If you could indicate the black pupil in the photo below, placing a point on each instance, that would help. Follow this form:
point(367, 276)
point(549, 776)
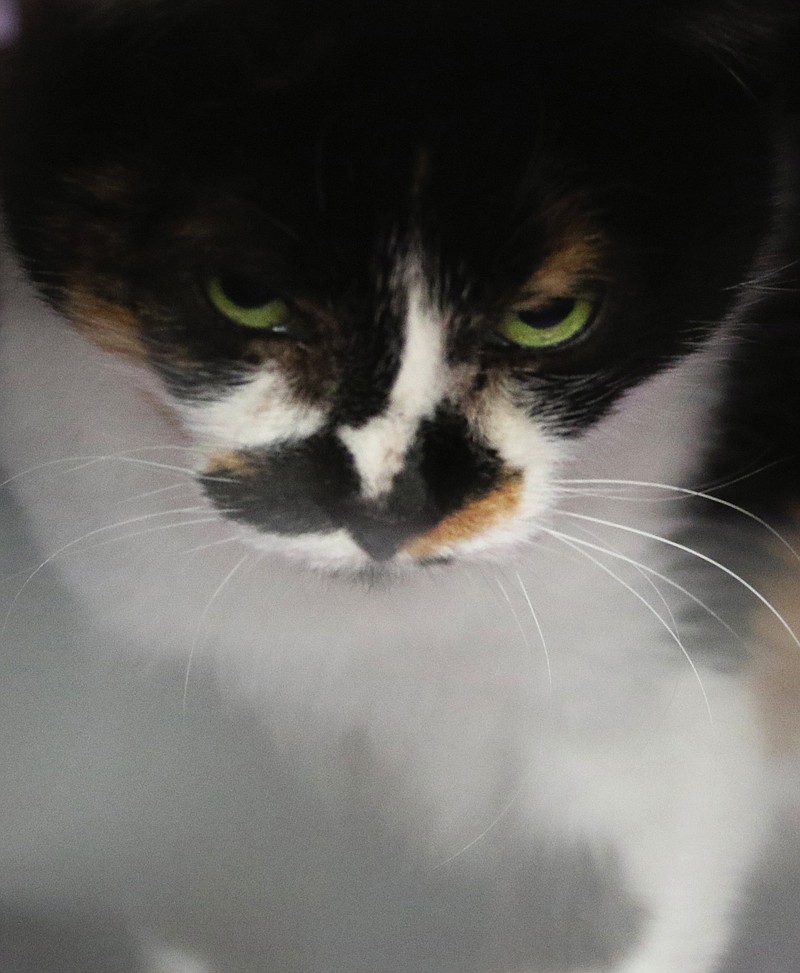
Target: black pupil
point(549, 316)
point(245, 292)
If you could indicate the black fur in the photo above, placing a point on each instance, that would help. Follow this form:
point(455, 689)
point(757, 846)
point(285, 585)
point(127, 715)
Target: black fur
point(317, 145)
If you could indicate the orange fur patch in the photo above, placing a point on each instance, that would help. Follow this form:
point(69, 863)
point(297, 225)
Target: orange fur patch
point(109, 326)
point(230, 462)
point(576, 253)
point(574, 260)
point(476, 518)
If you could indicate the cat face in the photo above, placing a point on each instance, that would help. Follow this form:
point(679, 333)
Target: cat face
point(386, 268)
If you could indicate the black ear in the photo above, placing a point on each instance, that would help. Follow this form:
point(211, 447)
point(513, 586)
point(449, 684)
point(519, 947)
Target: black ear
point(753, 40)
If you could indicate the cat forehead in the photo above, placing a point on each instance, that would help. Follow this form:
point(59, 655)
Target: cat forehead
point(362, 279)
point(310, 154)
point(493, 156)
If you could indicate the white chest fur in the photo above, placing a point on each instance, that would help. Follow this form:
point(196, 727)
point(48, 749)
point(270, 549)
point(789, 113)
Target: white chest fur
point(564, 689)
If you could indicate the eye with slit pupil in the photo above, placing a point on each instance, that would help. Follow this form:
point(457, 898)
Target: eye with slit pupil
point(246, 293)
point(547, 317)
point(249, 304)
point(550, 326)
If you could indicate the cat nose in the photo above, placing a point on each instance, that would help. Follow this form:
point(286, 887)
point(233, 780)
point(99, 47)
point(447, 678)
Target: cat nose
point(443, 471)
point(382, 528)
point(382, 541)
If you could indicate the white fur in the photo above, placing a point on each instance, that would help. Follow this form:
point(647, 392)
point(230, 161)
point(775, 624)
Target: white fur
point(379, 447)
point(600, 731)
point(260, 413)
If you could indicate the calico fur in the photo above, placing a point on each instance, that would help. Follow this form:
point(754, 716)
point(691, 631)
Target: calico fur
point(567, 635)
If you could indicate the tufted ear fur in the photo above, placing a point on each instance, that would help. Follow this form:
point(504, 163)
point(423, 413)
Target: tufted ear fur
point(756, 43)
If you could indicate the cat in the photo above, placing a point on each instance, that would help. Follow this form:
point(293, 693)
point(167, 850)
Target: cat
point(466, 336)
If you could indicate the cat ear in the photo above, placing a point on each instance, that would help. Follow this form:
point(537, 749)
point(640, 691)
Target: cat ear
point(737, 28)
point(755, 44)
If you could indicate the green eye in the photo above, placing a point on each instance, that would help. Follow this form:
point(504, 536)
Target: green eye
point(251, 306)
point(549, 326)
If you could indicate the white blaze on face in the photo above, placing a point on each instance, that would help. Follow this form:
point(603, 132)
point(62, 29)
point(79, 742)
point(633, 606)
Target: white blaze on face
point(379, 447)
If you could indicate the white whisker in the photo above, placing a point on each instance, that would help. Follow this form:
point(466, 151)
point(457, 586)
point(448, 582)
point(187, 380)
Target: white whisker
point(516, 617)
point(152, 493)
point(639, 568)
point(693, 553)
point(204, 547)
point(535, 618)
point(574, 543)
point(662, 577)
point(492, 824)
point(201, 621)
point(83, 462)
point(763, 276)
point(151, 530)
point(92, 458)
point(78, 540)
point(152, 464)
point(123, 456)
point(686, 492)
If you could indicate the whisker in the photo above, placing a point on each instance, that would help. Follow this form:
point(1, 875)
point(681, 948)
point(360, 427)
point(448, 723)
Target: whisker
point(92, 457)
point(492, 824)
point(763, 276)
point(83, 460)
point(204, 547)
point(152, 464)
point(732, 480)
point(693, 553)
point(661, 577)
point(153, 493)
point(699, 494)
point(535, 618)
point(718, 56)
point(213, 519)
point(152, 530)
point(607, 493)
point(124, 456)
point(720, 484)
point(78, 540)
point(516, 617)
point(574, 544)
point(201, 621)
point(639, 568)
point(166, 466)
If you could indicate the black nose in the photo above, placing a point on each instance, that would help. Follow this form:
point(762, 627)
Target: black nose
point(383, 527)
point(381, 535)
point(380, 541)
